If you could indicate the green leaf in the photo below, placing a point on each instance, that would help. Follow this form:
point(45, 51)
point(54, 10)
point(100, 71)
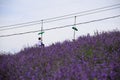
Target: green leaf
point(75, 28)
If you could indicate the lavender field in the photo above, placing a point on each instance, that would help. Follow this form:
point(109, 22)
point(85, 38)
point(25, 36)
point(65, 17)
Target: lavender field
point(87, 58)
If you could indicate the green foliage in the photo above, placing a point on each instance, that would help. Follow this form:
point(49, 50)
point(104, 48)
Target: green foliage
point(95, 79)
point(89, 53)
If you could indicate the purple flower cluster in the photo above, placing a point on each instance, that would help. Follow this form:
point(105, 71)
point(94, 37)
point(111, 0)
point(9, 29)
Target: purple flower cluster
point(87, 58)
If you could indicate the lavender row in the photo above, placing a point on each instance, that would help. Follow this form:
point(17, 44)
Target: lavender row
point(87, 58)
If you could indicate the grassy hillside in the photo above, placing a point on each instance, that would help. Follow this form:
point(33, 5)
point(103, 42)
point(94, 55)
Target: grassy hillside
point(87, 58)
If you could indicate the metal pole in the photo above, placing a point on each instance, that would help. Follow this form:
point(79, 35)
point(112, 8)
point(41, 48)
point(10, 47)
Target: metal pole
point(74, 26)
point(41, 30)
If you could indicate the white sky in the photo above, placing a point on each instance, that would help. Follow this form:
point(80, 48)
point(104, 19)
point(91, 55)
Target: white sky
point(20, 11)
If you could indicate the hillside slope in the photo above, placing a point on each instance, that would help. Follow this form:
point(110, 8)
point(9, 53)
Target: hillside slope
point(87, 58)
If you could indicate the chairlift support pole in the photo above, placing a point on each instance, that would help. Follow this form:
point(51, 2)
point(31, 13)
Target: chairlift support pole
point(74, 26)
point(42, 30)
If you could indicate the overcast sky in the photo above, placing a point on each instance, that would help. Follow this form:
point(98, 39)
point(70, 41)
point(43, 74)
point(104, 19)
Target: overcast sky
point(20, 11)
